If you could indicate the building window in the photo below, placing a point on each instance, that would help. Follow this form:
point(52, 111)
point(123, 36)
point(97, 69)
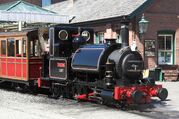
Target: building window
point(99, 37)
point(46, 3)
point(165, 49)
point(149, 47)
point(118, 36)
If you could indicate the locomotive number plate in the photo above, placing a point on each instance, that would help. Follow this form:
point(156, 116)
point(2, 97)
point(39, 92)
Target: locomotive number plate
point(58, 68)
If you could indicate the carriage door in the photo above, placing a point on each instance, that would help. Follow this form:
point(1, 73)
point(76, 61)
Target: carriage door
point(35, 59)
point(3, 63)
point(21, 59)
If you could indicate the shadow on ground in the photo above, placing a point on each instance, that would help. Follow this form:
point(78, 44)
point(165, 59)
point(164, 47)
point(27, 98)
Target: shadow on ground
point(156, 110)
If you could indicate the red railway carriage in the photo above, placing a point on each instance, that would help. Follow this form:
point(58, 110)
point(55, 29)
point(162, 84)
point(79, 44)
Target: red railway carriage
point(20, 57)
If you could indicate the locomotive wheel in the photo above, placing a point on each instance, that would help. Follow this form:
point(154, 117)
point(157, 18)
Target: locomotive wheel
point(73, 92)
point(162, 94)
point(19, 87)
point(55, 90)
point(16, 87)
point(122, 105)
point(33, 89)
point(68, 92)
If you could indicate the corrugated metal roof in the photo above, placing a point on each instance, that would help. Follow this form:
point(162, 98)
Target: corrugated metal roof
point(19, 6)
point(7, 5)
point(23, 11)
point(91, 10)
point(33, 17)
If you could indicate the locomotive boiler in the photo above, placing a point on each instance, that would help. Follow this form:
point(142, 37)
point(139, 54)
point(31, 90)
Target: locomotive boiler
point(106, 73)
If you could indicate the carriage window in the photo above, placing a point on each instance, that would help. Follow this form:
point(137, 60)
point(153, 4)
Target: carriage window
point(37, 48)
point(18, 48)
point(24, 47)
point(31, 48)
point(3, 47)
point(34, 48)
point(11, 46)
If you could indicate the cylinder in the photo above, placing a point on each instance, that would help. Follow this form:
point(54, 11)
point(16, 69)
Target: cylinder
point(107, 95)
point(137, 96)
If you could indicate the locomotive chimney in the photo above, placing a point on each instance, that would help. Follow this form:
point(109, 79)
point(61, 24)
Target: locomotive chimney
point(125, 33)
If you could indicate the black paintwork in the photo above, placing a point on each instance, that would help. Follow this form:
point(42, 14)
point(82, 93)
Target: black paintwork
point(64, 48)
point(45, 65)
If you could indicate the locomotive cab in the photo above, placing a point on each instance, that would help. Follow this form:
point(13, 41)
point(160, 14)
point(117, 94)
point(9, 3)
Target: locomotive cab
point(63, 39)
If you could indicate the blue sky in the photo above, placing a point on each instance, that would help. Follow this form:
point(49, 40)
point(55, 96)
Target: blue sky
point(46, 2)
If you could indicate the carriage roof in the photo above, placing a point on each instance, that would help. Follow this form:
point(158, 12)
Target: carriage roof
point(19, 33)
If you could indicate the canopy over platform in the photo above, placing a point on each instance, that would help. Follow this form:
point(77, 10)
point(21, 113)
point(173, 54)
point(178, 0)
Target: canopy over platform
point(23, 11)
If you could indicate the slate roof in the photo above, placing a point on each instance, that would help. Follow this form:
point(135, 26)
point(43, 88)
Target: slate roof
point(22, 6)
point(91, 10)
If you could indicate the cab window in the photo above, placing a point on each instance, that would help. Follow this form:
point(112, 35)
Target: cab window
point(35, 48)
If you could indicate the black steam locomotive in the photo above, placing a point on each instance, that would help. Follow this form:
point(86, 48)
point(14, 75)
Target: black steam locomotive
point(109, 72)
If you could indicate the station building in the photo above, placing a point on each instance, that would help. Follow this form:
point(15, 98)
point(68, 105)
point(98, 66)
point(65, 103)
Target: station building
point(159, 45)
